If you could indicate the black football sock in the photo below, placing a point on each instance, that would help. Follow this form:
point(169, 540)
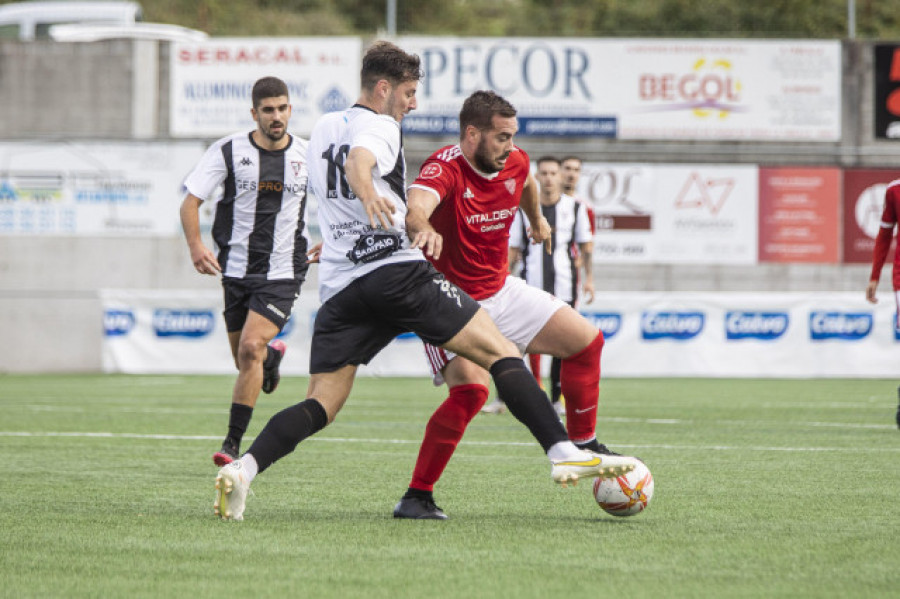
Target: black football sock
point(238, 422)
point(286, 429)
point(525, 400)
point(555, 384)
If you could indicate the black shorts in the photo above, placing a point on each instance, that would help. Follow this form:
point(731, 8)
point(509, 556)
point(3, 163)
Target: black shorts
point(273, 300)
point(358, 322)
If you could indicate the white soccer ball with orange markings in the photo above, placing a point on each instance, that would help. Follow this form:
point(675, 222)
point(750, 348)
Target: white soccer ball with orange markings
point(625, 495)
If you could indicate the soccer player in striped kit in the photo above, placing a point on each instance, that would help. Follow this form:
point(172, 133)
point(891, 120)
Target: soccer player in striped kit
point(261, 243)
point(571, 245)
point(469, 193)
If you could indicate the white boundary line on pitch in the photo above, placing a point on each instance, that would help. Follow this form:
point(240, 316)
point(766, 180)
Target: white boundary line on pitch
point(156, 437)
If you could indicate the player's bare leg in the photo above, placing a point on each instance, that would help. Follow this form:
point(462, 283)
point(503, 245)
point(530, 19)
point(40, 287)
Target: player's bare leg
point(249, 346)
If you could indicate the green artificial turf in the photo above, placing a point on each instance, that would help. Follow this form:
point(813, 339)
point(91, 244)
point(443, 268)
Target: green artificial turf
point(763, 488)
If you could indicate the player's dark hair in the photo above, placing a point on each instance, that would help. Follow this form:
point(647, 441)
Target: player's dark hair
point(268, 87)
point(567, 158)
point(384, 60)
point(479, 109)
point(552, 159)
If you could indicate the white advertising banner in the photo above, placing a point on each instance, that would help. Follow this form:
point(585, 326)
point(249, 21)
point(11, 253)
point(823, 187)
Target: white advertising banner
point(93, 188)
point(211, 81)
point(637, 88)
point(183, 332)
point(673, 214)
point(746, 335)
point(647, 334)
point(725, 89)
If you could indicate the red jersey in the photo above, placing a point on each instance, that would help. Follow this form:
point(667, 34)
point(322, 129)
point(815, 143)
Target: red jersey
point(886, 232)
point(474, 216)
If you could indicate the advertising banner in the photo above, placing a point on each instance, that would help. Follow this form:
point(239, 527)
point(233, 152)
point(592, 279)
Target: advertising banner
point(887, 91)
point(863, 205)
point(647, 334)
point(637, 88)
point(182, 332)
point(93, 188)
point(211, 81)
point(725, 89)
point(746, 334)
point(799, 215)
point(672, 214)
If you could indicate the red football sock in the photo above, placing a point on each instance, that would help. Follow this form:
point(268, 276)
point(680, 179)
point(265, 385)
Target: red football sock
point(443, 432)
point(534, 361)
point(580, 378)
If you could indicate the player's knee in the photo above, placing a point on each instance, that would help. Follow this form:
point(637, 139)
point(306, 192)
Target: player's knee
point(250, 351)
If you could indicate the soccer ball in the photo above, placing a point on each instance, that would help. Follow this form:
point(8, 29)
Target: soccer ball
point(625, 495)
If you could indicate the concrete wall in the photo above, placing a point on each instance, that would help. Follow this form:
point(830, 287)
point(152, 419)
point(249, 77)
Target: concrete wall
point(50, 316)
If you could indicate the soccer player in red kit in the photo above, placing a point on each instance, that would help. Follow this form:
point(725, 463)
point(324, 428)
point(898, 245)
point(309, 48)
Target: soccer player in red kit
point(469, 194)
point(882, 245)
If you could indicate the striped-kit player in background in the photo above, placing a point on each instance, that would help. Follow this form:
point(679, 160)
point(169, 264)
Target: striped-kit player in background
point(375, 284)
point(469, 194)
point(261, 243)
point(556, 272)
point(879, 256)
point(580, 256)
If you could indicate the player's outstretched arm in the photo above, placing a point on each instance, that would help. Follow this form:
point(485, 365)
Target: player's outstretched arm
point(420, 204)
point(358, 168)
point(203, 258)
point(585, 251)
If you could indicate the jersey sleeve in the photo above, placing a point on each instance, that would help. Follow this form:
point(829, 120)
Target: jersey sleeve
point(885, 231)
point(209, 173)
point(517, 238)
point(436, 176)
point(582, 224)
point(382, 140)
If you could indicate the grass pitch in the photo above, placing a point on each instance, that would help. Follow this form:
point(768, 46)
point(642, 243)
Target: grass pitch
point(787, 488)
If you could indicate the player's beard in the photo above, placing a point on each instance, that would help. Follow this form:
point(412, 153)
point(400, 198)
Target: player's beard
point(267, 131)
point(483, 163)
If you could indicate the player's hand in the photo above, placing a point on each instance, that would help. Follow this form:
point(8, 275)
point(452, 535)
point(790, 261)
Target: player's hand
point(314, 253)
point(587, 290)
point(204, 260)
point(430, 242)
point(541, 232)
point(870, 292)
point(380, 210)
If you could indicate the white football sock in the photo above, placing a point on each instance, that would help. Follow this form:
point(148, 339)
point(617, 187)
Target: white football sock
point(251, 468)
point(565, 451)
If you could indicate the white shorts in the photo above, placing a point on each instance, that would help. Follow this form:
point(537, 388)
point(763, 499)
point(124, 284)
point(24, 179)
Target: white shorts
point(519, 310)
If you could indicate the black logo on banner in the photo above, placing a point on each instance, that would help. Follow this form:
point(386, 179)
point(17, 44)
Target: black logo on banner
point(374, 246)
point(887, 91)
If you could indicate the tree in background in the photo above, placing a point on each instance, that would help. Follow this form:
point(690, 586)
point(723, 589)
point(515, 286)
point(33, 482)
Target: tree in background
point(795, 19)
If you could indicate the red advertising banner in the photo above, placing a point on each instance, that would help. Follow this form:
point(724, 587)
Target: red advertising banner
point(799, 214)
point(863, 205)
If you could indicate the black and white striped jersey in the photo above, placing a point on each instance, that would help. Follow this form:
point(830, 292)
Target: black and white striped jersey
point(259, 228)
point(555, 273)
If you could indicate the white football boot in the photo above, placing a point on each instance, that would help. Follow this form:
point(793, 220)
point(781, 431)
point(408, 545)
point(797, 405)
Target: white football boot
point(593, 465)
point(232, 486)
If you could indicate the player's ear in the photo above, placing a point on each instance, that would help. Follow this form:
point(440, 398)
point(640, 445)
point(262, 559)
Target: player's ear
point(383, 88)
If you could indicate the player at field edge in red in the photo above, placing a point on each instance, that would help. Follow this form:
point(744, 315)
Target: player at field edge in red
point(879, 255)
